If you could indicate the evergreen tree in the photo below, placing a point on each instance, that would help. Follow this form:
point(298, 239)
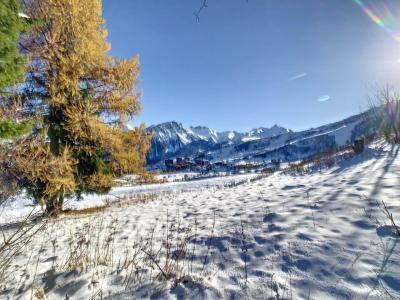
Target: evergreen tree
point(9, 130)
point(12, 64)
point(12, 67)
point(82, 99)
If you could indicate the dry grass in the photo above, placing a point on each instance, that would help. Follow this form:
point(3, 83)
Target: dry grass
point(15, 240)
point(389, 217)
point(89, 250)
point(38, 293)
point(120, 202)
point(85, 211)
point(381, 216)
point(162, 253)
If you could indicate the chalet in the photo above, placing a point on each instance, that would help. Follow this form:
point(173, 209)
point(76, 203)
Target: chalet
point(276, 164)
point(201, 162)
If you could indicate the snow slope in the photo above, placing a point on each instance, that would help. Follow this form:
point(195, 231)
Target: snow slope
point(313, 236)
point(292, 146)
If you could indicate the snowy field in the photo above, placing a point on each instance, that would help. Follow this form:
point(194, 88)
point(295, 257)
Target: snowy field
point(18, 208)
point(316, 236)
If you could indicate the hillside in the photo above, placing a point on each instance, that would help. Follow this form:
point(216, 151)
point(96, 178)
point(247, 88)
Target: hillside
point(315, 236)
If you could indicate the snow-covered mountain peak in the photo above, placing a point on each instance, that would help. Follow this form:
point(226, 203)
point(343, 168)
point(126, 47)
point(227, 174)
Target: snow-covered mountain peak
point(172, 134)
point(204, 133)
point(172, 125)
point(263, 132)
point(172, 137)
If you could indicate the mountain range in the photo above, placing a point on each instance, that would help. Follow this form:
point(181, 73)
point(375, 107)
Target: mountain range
point(172, 139)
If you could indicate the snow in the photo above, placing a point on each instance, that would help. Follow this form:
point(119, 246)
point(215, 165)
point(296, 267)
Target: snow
point(17, 208)
point(250, 138)
point(267, 132)
point(342, 134)
point(281, 237)
point(204, 133)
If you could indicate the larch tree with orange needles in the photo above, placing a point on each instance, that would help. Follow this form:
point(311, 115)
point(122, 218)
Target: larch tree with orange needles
point(82, 99)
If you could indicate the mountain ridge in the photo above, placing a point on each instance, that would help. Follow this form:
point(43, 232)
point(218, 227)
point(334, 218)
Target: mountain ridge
point(172, 139)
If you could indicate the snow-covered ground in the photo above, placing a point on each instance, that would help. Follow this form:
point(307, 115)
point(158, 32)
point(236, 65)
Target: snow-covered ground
point(315, 236)
point(18, 208)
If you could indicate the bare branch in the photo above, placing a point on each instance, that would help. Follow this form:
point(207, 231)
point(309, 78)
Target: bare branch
point(202, 7)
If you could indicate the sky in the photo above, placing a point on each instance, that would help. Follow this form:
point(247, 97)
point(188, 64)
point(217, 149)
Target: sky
point(246, 64)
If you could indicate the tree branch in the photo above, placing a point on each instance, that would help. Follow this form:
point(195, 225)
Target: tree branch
point(202, 7)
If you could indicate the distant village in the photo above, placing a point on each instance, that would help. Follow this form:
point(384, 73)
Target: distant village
point(203, 165)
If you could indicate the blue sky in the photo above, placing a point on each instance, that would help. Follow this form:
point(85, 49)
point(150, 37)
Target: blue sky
point(296, 63)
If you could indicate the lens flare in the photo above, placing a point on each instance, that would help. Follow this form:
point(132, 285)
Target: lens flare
point(324, 98)
point(377, 20)
point(298, 76)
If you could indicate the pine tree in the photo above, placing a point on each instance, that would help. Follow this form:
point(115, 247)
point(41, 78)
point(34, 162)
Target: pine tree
point(12, 67)
point(84, 98)
point(12, 64)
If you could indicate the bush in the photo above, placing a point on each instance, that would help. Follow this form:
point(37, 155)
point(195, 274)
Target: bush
point(358, 146)
point(385, 107)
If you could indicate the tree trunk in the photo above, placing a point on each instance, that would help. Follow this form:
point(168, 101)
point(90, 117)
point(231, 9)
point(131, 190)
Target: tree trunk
point(55, 206)
point(397, 138)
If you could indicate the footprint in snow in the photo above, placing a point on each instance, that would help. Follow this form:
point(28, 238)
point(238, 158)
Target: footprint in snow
point(392, 282)
point(260, 240)
point(304, 237)
point(363, 224)
point(386, 230)
point(292, 187)
point(303, 264)
point(271, 217)
point(273, 228)
point(259, 254)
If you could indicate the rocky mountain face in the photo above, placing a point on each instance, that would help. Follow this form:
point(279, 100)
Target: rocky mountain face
point(172, 139)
